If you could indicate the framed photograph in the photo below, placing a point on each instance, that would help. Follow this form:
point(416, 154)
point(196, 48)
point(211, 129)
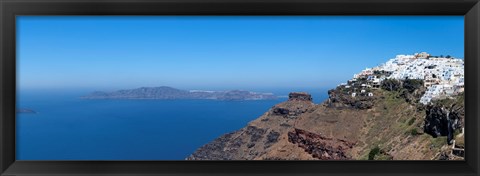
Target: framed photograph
point(313, 87)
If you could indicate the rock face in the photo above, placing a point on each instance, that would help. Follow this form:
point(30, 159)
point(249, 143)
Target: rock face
point(438, 123)
point(292, 109)
point(219, 149)
point(386, 126)
point(165, 92)
point(338, 98)
point(319, 146)
point(442, 119)
point(299, 96)
point(259, 137)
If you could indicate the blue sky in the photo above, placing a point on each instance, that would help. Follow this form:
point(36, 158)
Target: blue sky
point(108, 52)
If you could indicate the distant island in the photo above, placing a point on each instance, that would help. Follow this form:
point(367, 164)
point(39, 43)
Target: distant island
point(26, 110)
point(169, 93)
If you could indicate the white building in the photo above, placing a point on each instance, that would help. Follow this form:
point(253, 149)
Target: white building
point(442, 76)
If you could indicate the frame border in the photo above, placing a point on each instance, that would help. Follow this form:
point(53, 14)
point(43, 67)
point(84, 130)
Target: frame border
point(9, 9)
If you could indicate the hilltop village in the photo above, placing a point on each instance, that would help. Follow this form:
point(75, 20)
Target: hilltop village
point(442, 76)
point(409, 108)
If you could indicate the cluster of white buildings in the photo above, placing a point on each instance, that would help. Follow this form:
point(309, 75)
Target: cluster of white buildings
point(443, 76)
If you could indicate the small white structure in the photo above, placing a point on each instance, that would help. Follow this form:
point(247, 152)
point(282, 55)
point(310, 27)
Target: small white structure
point(460, 87)
point(347, 86)
point(370, 94)
point(448, 89)
point(376, 83)
point(422, 55)
point(362, 91)
point(354, 94)
point(425, 100)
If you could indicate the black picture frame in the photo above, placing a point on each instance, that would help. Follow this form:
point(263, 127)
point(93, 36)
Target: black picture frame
point(9, 9)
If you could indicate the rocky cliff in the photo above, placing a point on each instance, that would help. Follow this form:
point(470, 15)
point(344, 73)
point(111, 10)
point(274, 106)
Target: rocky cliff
point(444, 117)
point(387, 124)
point(261, 136)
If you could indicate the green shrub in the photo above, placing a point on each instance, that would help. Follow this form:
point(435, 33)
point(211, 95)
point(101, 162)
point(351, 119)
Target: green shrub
point(411, 121)
point(391, 84)
point(412, 84)
point(373, 152)
point(457, 132)
point(413, 132)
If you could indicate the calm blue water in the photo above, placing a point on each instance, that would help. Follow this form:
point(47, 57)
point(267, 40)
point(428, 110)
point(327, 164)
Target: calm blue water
point(68, 128)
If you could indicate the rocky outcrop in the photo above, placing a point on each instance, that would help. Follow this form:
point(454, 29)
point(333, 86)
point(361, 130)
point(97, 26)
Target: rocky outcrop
point(258, 138)
point(412, 94)
point(458, 152)
point(241, 144)
point(444, 117)
point(246, 143)
point(215, 150)
point(454, 154)
point(255, 133)
point(272, 138)
point(358, 97)
point(297, 104)
point(290, 113)
point(339, 99)
point(319, 146)
point(280, 111)
point(299, 96)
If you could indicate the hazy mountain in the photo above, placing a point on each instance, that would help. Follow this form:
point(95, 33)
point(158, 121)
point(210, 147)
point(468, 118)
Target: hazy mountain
point(165, 92)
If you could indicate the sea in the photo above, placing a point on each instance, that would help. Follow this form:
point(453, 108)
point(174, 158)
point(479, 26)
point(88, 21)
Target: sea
point(66, 127)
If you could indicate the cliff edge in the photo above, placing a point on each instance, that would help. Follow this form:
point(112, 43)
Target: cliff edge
point(387, 125)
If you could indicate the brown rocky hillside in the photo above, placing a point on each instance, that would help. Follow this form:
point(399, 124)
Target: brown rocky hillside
point(388, 125)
